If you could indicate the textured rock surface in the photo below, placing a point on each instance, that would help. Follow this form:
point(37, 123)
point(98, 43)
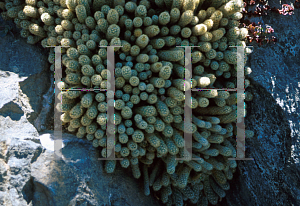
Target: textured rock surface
point(273, 177)
point(30, 175)
point(79, 178)
point(24, 80)
point(18, 150)
point(276, 68)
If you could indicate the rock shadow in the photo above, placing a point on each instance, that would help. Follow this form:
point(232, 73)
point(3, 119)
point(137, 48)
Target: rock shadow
point(262, 181)
point(12, 110)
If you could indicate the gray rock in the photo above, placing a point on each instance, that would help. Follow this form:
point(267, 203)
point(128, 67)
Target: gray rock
point(30, 174)
point(273, 178)
point(19, 148)
point(276, 68)
point(79, 178)
point(25, 80)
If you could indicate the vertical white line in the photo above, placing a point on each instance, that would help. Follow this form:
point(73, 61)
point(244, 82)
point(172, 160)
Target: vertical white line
point(110, 129)
point(240, 137)
point(57, 114)
point(188, 106)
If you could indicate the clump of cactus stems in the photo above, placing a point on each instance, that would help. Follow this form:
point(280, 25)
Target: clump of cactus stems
point(149, 84)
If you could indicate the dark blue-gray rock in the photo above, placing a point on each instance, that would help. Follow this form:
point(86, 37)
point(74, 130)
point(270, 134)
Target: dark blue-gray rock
point(31, 175)
point(273, 178)
point(79, 178)
point(276, 68)
point(25, 79)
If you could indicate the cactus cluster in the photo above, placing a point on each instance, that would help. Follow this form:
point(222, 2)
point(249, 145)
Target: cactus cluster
point(150, 86)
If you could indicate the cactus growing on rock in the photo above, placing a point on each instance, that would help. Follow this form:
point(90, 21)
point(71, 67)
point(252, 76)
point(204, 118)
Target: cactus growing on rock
point(150, 85)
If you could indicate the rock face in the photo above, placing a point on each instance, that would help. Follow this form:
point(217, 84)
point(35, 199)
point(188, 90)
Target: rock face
point(25, 79)
point(30, 176)
point(18, 150)
point(276, 68)
point(273, 177)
